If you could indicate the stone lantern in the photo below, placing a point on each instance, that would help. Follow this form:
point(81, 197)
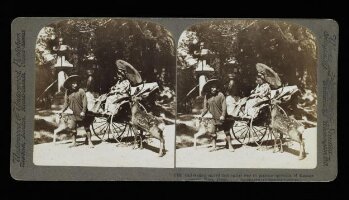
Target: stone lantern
point(202, 69)
point(62, 65)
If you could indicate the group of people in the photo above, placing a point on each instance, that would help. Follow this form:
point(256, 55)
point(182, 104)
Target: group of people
point(224, 105)
point(76, 100)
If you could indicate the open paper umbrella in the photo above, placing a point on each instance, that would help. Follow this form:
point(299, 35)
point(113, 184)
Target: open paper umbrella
point(131, 73)
point(269, 75)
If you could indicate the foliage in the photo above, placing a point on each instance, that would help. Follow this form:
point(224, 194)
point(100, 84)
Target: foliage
point(147, 46)
point(237, 45)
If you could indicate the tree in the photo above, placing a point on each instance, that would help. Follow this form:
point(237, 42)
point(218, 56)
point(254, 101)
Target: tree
point(143, 44)
point(287, 48)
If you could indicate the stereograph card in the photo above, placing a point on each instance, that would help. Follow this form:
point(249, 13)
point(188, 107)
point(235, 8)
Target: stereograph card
point(174, 99)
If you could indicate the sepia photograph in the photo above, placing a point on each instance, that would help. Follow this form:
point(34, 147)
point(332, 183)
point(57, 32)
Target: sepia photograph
point(247, 95)
point(105, 94)
point(174, 99)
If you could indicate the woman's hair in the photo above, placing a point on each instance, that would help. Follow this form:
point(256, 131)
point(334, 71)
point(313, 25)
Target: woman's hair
point(122, 73)
point(261, 76)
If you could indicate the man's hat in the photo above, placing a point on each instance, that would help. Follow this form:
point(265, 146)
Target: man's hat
point(67, 83)
point(209, 84)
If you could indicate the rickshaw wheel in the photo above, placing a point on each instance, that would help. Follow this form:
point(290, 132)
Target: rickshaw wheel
point(241, 131)
point(118, 125)
point(101, 127)
point(122, 128)
point(258, 131)
point(252, 130)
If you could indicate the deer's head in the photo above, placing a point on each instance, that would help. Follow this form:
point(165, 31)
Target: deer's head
point(135, 103)
point(275, 101)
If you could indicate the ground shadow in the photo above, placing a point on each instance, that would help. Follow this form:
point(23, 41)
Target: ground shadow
point(43, 125)
point(292, 151)
point(152, 148)
point(183, 129)
point(185, 117)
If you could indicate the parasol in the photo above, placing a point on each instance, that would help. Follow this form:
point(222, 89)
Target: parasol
point(269, 75)
point(131, 73)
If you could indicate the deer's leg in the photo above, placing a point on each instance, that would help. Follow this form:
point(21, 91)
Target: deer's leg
point(199, 133)
point(157, 133)
point(281, 144)
point(141, 137)
point(212, 129)
point(60, 128)
point(57, 130)
point(195, 138)
point(135, 137)
point(162, 147)
point(276, 148)
point(302, 149)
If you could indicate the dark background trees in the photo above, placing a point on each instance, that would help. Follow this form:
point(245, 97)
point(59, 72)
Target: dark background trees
point(147, 46)
point(289, 49)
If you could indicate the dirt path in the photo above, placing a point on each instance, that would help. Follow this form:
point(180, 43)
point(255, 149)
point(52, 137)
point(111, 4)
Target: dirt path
point(249, 157)
point(106, 154)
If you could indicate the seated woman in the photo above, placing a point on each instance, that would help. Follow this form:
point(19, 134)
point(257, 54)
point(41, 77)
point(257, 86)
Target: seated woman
point(118, 92)
point(260, 94)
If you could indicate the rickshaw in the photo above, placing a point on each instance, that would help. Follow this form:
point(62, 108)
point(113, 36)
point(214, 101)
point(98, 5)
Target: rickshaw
point(253, 129)
point(117, 125)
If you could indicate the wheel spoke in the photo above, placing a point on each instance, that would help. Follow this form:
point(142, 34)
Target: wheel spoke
point(254, 134)
point(129, 131)
point(104, 128)
point(240, 125)
point(262, 134)
point(104, 133)
point(247, 133)
point(101, 125)
point(240, 130)
point(255, 128)
point(115, 134)
point(115, 126)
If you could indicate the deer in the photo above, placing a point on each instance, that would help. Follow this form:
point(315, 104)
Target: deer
point(282, 124)
point(143, 121)
point(204, 126)
point(62, 120)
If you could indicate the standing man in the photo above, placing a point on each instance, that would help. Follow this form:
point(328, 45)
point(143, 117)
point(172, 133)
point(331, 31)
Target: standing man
point(215, 104)
point(75, 99)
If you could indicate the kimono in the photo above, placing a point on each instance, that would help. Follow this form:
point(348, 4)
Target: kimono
point(261, 93)
point(119, 91)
